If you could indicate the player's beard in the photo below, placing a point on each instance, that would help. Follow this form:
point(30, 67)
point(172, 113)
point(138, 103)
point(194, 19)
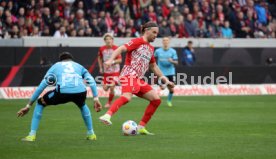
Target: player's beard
point(151, 39)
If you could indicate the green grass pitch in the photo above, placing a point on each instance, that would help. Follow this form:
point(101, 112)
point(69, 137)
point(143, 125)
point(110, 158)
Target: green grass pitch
point(234, 127)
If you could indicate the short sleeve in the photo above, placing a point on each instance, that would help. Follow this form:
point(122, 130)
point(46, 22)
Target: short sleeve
point(156, 53)
point(133, 44)
point(119, 57)
point(174, 57)
point(152, 60)
point(100, 53)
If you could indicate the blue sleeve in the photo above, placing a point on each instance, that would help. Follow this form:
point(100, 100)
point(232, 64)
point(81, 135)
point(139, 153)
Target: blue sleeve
point(49, 79)
point(156, 53)
point(39, 90)
point(231, 33)
point(175, 57)
point(90, 80)
point(185, 52)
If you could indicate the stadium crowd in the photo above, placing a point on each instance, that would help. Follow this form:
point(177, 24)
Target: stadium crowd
point(123, 18)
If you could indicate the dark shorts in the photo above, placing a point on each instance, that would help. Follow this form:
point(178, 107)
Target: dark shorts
point(54, 98)
point(171, 78)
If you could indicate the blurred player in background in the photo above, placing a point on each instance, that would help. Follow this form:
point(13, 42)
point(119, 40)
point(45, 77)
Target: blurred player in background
point(68, 77)
point(166, 59)
point(111, 73)
point(139, 58)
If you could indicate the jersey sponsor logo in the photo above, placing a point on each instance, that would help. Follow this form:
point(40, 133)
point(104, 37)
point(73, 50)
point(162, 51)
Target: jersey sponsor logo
point(146, 57)
point(129, 43)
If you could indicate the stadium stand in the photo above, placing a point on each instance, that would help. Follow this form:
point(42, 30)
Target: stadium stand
point(123, 18)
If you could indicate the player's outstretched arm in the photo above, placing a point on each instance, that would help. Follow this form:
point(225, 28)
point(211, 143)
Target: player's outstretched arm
point(116, 53)
point(156, 70)
point(92, 83)
point(100, 62)
point(34, 97)
point(175, 62)
point(49, 79)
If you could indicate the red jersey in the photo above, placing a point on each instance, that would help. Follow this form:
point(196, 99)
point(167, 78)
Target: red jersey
point(138, 57)
point(105, 53)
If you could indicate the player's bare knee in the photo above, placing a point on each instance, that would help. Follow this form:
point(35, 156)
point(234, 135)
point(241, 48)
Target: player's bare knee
point(156, 97)
point(105, 87)
point(128, 96)
point(171, 89)
point(112, 89)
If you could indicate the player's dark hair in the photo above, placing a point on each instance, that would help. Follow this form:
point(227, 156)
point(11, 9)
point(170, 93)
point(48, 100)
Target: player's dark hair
point(190, 42)
point(148, 25)
point(65, 56)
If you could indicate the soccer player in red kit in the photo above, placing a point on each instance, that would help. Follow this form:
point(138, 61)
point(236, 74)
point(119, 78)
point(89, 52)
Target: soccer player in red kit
point(139, 58)
point(111, 73)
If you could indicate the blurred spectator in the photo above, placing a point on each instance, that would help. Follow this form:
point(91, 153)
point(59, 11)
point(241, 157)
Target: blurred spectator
point(131, 29)
point(220, 14)
point(109, 22)
point(251, 23)
point(270, 61)
point(46, 31)
point(46, 16)
point(226, 31)
point(217, 28)
point(164, 30)
point(14, 32)
point(61, 33)
point(80, 32)
point(191, 26)
point(200, 31)
point(166, 8)
point(184, 18)
point(188, 56)
point(35, 32)
point(152, 14)
point(45, 62)
point(180, 6)
point(88, 32)
point(241, 28)
point(173, 27)
point(181, 27)
point(95, 28)
point(261, 13)
point(21, 12)
point(175, 13)
point(122, 6)
point(272, 8)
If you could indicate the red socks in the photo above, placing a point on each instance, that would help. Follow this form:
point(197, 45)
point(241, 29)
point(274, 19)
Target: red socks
point(116, 105)
point(110, 97)
point(150, 110)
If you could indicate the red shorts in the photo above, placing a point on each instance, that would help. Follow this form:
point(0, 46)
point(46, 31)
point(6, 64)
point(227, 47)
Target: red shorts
point(135, 86)
point(111, 78)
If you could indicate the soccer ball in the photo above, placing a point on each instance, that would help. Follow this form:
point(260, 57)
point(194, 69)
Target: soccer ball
point(129, 128)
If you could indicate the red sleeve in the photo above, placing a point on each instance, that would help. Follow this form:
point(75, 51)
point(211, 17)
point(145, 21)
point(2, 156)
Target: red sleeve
point(118, 57)
point(100, 53)
point(152, 60)
point(133, 44)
